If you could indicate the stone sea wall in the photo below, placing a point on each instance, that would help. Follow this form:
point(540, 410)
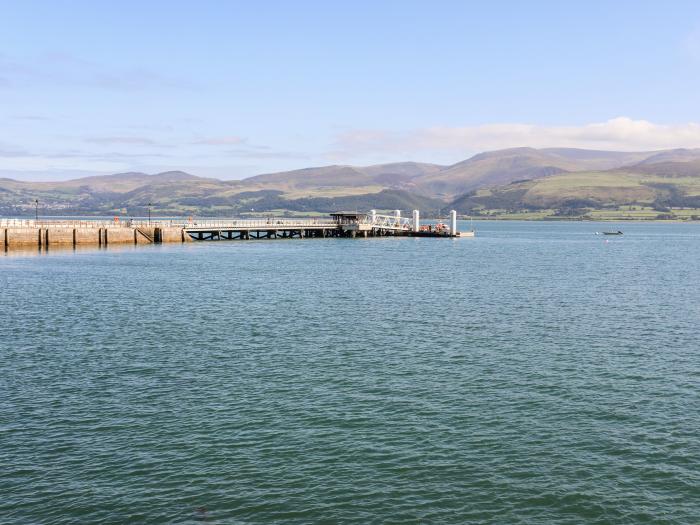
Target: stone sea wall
point(44, 237)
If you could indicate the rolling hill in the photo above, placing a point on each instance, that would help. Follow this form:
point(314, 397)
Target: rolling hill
point(632, 186)
point(347, 176)
point(501, 167)
point(511, 179)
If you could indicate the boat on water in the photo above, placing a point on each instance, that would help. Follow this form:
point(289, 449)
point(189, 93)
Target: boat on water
point(618, 232)
point(443, 229)
point(471, 232)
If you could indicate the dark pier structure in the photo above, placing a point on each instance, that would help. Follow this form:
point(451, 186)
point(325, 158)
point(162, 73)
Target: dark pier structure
point(341, 224)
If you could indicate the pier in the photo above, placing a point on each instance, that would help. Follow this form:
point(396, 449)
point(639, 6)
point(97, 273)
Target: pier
point(47, 233)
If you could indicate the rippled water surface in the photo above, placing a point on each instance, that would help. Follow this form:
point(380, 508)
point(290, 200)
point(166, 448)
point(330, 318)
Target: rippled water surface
point(534, 374)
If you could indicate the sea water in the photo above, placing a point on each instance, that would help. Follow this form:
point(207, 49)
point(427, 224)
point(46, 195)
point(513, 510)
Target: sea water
point(536, 373)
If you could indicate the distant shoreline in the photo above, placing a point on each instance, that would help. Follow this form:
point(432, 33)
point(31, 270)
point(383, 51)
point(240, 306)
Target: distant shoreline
point(500, 218)
point(549, 219)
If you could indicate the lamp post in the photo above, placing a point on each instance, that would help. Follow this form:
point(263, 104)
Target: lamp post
point(149, 213)
point(36, 210)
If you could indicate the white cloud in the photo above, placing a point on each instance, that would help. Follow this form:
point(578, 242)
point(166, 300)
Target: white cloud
point(621, 134)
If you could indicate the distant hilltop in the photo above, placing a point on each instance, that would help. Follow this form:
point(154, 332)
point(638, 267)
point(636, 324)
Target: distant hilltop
point(552, 182)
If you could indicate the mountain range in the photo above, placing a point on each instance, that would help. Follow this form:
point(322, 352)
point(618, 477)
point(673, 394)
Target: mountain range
point(510, 179)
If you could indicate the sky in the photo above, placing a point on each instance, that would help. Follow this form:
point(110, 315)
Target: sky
point(231, 89)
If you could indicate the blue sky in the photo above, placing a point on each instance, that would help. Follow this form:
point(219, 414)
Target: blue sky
point(232, 89)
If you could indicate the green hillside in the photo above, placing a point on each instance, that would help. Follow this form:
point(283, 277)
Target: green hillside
point(522, 182)
point(582, 193)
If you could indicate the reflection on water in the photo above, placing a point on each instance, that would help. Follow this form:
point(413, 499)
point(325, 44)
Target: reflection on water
point(67, 249)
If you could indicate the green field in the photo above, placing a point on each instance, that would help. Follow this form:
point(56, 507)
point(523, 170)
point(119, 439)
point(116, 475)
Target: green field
point(621, 213)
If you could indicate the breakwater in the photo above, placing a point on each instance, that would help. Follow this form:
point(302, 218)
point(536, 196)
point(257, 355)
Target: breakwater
point(44, 234)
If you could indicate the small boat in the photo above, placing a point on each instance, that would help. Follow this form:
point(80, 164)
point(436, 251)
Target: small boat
point(471, 232)
point(618, 232)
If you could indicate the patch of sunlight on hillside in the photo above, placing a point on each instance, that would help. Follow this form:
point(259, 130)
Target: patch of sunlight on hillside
point(604, 187)
point(688, 185)
point(587, 180)
point(334, 191)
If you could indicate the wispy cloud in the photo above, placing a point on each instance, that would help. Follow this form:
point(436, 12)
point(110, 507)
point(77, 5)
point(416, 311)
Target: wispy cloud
point(247, 150)
point(138, 141)
point(620, 133)
point(19, 153)
point(259, 154)
point(42, 118)
point(110, 155)
point(9, 152)
point(691, 44)
point(18, 160)
point(137, 79)
point(65, 69)
point(230, 140)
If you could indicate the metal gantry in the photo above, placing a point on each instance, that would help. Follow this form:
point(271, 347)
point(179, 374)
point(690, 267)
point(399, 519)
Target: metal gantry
point(388, 222)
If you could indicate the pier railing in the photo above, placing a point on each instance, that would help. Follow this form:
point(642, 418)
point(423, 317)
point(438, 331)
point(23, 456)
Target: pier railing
point(384, 222)
point(171, 223)
point(257, 223)
point(388, 222)
point(67, 223)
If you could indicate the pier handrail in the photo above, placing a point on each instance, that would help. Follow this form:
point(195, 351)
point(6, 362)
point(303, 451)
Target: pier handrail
point(169, 223)
point(386, 222)
point(259, 223)
point(67, 223)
